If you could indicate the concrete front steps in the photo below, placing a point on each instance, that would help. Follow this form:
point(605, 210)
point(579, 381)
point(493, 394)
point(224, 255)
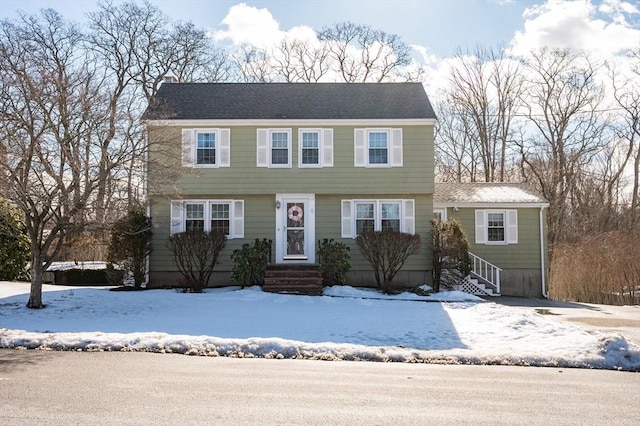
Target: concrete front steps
point(293, 279)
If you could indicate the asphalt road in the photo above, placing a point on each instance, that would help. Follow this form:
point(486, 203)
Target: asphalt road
point(38, 387)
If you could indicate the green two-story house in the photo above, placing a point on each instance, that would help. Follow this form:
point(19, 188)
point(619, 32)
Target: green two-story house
point(292, 163)
point(297, 163)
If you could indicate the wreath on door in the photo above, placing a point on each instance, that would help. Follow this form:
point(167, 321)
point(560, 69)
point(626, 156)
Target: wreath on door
point(295, 213)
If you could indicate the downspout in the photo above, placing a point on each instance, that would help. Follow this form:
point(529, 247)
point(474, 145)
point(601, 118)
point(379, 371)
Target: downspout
point(145, 194)
point(545, 294)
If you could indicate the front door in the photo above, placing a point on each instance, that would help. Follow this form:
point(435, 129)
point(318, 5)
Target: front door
point(295, 228)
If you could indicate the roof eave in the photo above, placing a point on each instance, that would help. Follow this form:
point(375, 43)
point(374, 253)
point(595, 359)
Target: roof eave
point(293, 122)
point(490, 205)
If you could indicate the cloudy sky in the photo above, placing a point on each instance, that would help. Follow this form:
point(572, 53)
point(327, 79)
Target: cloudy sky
point(436, 28)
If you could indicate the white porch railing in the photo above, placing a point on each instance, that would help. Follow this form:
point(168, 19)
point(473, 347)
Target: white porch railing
point(486, 271)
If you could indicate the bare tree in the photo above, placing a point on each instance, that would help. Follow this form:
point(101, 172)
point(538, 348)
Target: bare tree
point(363, 54)
point(56, 126)
point(70, 107)
point(301, 61)
point(456, 154)
point(627, 95)
point(561, 103)
point(485, 87)
point(253, 65)
point(138, 49)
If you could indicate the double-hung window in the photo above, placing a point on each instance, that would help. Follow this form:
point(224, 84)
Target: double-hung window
point(360, 216)
point(495, 227)
point(273, 148)
point(279, 148)
point(220, 217)
point(226, 216)
point(315, 148)
point(390, 216)
point(194, 216)
point(310, 148)
point(365, 217)
point(378, 147)
point(206, 148)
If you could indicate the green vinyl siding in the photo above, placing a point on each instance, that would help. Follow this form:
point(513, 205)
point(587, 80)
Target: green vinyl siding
point(523, 255)
point(328, 225)
point(259, 222)
point(244, 177)
point(259, 209)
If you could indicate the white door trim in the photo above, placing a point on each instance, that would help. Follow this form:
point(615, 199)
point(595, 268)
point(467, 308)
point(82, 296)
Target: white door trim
point(309, 227)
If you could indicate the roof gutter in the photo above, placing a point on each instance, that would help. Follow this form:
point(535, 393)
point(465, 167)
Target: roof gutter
point(490, 205)
point(293, 122)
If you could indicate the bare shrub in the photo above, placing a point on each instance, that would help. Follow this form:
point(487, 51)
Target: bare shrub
point(386, 252)
point(600, 269)
point(196, 254)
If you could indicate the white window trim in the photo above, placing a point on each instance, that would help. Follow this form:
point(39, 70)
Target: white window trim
point(510, 227)
point(394, 147)
point(264, 148)
point(348, 212)
point(325, 147)
point(368, 132)
point(236, 216)
point(190, 148)
point(442, 211)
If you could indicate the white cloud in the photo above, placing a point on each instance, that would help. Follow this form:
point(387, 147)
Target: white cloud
point(617, 10)
point(425, 55)
point(578, 24)
point(250, 25)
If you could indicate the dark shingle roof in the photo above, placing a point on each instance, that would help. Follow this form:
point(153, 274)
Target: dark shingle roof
point(483, 192)
point(291, 101)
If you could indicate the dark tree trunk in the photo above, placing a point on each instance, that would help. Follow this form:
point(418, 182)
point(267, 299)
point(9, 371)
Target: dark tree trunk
point(37, 272)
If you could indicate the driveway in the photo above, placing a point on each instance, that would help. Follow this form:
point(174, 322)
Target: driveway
point(602, 318)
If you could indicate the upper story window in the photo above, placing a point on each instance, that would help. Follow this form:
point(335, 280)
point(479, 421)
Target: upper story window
point(280, 148)
point(496, 227)
point(360, 216)
point(315, 148)
point(273, 148)
point(206, 148)
point(310, 148)
point(378, 148)
point(378, 145)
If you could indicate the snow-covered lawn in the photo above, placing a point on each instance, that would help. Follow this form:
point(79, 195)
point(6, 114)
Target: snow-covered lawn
point(344, 324)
